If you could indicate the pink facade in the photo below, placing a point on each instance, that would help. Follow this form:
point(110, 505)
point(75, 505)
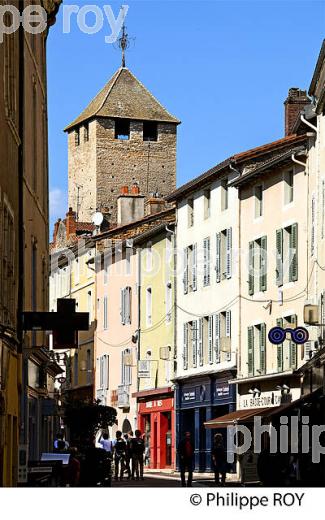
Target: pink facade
point(117, 322)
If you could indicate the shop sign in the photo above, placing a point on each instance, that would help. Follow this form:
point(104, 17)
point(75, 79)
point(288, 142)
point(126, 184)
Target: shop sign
point(189, 395)
point(262, 401)
point(154, 404)
point(144, 371)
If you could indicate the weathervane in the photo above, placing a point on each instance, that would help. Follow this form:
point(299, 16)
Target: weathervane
point(124, 43)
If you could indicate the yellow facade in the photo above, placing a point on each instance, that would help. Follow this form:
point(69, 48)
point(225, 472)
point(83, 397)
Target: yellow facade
point(158, 322)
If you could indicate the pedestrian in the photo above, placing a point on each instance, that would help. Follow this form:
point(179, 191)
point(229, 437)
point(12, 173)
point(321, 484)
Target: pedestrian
point(137, 450)
point(106, 443)
point(73, 469)
point(60, 444)
point(186, 455)
point(128, 439)
point(219, 459)
point(119, 455)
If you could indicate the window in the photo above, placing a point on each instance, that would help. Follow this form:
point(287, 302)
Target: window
point(88, 367)
point(86, 132)
point(122, 129)
point(258, 190)
point(221, 337)
point(290, 348)
point(224, 255)
point(75, 369)
point(206, 262)
point(76, 271)
point(207, 203)
point(8, 279)
point(288, 187)
point(34, 275)
point(77, 136)
point(10, 79)
point(149, 257)
point(256, 354)
point(105, 313)
point(169, 302)
point(185, 345)
point(104, 372)
point(190, 212)
point(287, 255)
point(190, 268)
point(149, 307)
point(34, 138)
point(126, 305)
point(224, 194)
point(257, 265)
point(126, 367)
point(150, 131)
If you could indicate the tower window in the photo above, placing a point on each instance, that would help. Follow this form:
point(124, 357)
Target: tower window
point(86, 132)
point(77, 137)
point(150, 131)
point(122, 129)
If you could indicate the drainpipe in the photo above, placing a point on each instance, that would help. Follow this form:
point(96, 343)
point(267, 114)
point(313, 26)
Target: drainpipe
point(297, 162)
point(309, 124)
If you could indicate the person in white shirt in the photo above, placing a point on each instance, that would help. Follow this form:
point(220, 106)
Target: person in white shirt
point(106, 443)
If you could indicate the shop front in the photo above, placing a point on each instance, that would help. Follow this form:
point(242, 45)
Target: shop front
point(156, 421)
point(199, 399)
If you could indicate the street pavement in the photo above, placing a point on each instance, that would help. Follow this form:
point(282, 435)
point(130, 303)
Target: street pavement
point(161, 480)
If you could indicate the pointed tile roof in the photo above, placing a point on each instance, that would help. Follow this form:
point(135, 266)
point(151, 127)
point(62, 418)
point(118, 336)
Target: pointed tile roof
point(124, 96)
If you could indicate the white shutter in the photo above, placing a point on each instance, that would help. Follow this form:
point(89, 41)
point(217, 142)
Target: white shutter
point(206, 259)
point(313, 216)
point(185, 279)
point(123, 306)
point(229, 253)
point(228, 324)
point(194, 267)
point(307, 350)
point(101, 376)
point(218, 257)
point(217, 338)
point(127, 306)
point(210, 339)
point(194, 342)
point(200, 341)
point(105, 372)
point(185, 346)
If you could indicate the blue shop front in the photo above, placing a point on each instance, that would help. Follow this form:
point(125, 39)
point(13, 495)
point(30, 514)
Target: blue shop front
point(199, 399)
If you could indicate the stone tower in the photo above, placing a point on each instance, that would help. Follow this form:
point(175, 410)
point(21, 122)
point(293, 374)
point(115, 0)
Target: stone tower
point(124, 136)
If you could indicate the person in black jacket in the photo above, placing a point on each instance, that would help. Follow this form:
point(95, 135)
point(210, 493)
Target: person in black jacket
point(219, 459)
point(119, 455)
point(186, 456)
point(137, 453)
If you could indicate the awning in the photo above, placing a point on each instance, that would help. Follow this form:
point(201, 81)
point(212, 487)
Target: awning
point(247, 415)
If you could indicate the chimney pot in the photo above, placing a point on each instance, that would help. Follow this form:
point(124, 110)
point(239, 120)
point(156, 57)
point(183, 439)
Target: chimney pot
point(124, 190)
point(135, 190)
point(297, 99)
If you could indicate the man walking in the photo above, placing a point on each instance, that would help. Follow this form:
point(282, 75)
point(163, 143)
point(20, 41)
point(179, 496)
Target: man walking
point(106, 443)
point(186, 454)
point(119, 455)
point(137, 450)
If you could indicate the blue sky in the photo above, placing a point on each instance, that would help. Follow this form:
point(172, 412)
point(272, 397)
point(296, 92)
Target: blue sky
point(223, 67)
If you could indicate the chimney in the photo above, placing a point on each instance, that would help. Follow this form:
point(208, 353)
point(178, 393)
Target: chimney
point(297, 99)
point(155, 204)
point(55, 230)
point(130, 206)
point(70, 222)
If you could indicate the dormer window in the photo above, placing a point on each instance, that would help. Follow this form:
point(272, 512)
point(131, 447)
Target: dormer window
point(150, 131)
point(122, 129)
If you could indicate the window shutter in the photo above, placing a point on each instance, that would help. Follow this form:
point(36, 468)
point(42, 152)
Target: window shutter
point(128, 305)
point(263, 264)
point(229, 253)
point(101, 374)
point(185, 279)
point(279, 257)
point(279, 323)
point(194, 267)
point(293, 269)
point(206, 259)
point(263, 348)
point(106, 373)
point(210, 339)
point(251, 268)
point(228, 324)
point(250, 359)
point(218, 257)
point(194, 343)
point(313, 212)
point(293, 346)
point(105, 313)
point(200, 332)
point(185, 346)
point(217, 338)
point(123, 306)
point(307, 349)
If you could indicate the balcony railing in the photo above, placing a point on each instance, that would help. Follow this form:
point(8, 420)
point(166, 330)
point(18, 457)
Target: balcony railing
point(123, 396)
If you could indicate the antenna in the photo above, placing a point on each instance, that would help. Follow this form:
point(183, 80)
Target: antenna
point(124, 44)
point(97, 218)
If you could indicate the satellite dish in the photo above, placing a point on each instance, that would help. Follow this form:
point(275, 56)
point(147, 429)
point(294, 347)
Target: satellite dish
point(97, 218)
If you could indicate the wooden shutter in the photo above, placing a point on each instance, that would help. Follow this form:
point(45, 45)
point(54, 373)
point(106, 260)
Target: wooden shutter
point(194, 343)
point(263, 348)
point(185, 346)
point(123, 306)
point(200, 341)
point(218, 257)
point(293, 268)
point(263, 264)
point(228, 324)
point(217, 338)
point(250, 351)
point(229, 253)
point(185, 279)
point(279, 257)
point(279, 323)
point(251, 268)
point(293, 346)
point(210, 339)
point(194, 267)
point(206, 260)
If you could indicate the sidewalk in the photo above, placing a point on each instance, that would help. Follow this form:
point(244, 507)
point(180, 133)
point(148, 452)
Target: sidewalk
point(206, 478)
